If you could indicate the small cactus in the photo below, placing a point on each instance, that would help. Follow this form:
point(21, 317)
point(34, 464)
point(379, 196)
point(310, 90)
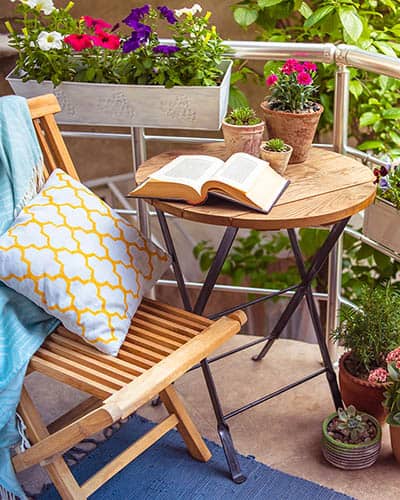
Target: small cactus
point(352, 425)
point(242, 116)
point(275, 145)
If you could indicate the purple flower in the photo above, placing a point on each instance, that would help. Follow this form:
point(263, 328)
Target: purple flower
point(138, 38)
point(136, 15)
point(167, 50)
point(168, 14)
point(384, 184)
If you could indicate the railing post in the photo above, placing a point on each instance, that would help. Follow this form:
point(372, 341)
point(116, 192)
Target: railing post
point(340, 133)
point(139, 156)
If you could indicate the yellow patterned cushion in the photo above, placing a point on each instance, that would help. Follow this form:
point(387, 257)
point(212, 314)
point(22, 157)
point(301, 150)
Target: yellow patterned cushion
point(71, 254)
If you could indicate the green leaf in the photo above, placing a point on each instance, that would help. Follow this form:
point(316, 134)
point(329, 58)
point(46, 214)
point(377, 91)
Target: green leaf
point(391, 114)
point(351, 22)
point(385, 48)
point(318, 15)
point(371, 145)
point(244, 16)
point(356, 88)
point(368, 118)
point(305, 10)
point(237, 99)
point(268, 3)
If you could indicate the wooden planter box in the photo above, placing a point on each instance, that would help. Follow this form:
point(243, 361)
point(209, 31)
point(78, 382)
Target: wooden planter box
point(381, 222)
point(181, 107)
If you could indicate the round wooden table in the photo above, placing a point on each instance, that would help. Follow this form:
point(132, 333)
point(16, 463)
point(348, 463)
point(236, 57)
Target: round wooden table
point(324, 189)
point(327, 189)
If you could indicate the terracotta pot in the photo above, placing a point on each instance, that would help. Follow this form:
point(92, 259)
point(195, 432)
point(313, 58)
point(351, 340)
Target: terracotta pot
point(277, 159)
point(395, 440)
point(350, 456)
point(243, 138)
point(296, 129)
point(365, 396)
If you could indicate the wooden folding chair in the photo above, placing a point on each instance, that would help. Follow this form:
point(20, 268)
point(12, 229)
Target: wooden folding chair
point(162, 344)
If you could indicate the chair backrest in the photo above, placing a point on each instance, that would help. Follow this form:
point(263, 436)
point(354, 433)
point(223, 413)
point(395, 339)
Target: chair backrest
point(54, 150)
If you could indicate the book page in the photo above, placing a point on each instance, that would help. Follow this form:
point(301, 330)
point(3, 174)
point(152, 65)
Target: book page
point(241, 171)
point(192, 170)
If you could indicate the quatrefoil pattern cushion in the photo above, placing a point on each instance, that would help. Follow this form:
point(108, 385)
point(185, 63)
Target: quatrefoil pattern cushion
point(71, 254)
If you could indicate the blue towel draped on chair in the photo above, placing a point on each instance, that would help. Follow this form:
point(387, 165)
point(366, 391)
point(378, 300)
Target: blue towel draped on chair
point(23, 325)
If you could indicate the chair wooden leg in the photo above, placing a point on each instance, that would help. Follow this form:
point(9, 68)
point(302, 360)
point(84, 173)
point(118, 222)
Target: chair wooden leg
point(58, 470)
point(195, 443)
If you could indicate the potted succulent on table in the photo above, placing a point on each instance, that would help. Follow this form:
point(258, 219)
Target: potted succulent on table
point(104, 76)
point(290, 110)
point(351, 439)
point(369, 334)
point(277, 153)
point(383, 215)
point(392, 400)
point(243, 131)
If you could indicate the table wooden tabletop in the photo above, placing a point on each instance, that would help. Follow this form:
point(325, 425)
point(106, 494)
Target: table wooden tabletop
point(324, 189)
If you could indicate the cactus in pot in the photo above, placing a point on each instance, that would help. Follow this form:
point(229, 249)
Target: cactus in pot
point(276, 153)
point(243, 131)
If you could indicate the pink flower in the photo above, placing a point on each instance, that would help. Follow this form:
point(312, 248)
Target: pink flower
point(304, 78)
point(91, 22)
point(378, 376)
point(299, 67)
point(271, 80)
point(393, 355)
point(309, 66)
point(106, 40)
point(290, 66)
point(79, 42)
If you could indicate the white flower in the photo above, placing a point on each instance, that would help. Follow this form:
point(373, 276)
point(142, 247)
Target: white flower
point(47, 6)
point(196, 8)
point(48, 41)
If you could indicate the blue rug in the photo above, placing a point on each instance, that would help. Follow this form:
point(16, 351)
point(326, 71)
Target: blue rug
point(167, 472)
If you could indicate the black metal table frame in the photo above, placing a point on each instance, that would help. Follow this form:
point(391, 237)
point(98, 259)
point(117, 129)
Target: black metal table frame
point(301, 291)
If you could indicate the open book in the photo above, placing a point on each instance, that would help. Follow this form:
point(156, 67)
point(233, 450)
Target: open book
point(242, 178)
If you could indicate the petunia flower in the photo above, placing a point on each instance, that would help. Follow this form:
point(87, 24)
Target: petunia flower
point(304, 78)
point(196, 8)
point(165, 49)
point(91, 22)
point(309, 66)
point(378, 376)
point(271, 80)
point(46, 6)
point(79, 41)
point(136, 15)
point(106, 40)
point(384, 184)
point(137, 39)
point(50, 40)
point(168, 14)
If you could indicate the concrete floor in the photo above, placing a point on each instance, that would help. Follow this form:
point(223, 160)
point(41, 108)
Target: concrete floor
point(283, 433)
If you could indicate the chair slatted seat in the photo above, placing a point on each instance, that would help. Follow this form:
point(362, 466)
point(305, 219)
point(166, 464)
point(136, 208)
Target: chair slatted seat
point(163, 342)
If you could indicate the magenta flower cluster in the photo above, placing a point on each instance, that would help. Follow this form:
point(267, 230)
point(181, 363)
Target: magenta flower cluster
point(302, 71)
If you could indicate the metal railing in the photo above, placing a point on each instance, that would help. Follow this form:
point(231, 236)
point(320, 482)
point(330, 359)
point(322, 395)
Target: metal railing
point(343, 57)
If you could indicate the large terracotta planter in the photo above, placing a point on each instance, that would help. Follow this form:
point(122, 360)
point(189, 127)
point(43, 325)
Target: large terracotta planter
point(395, 440)
point(243, 138)
point(296, 129)
point(350, 456)
point(365, 396)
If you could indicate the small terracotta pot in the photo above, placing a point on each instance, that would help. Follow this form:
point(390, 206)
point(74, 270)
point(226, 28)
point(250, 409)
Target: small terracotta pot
point(350, 456)
point(365, 396)
point(243, 138)
point(395, 440)
point(277, 159)
point(296, 129)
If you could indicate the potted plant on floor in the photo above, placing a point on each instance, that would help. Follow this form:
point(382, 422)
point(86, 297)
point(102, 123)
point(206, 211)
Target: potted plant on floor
point(383, 215)
point(351, 439)
point(290, 110)
point(392, 400)
point(276, 153)
point(243, 131)
point(368, 334)
point(102, 76)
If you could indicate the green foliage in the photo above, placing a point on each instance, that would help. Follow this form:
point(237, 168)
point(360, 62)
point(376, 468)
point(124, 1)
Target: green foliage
point(351, 424)
point(275, 144)
point(373, 330)
point(196, 62)
point(372, 25)
point(392, 394)
point(243, 116)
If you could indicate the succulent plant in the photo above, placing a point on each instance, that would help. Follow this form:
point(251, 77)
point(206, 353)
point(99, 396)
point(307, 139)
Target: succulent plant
point(243, 116)
point(351, 424)
point(275, 144)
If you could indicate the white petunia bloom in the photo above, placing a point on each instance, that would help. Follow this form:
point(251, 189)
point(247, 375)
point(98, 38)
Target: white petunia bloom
point(196, 8)
point(46, 6)
point(48, 41)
